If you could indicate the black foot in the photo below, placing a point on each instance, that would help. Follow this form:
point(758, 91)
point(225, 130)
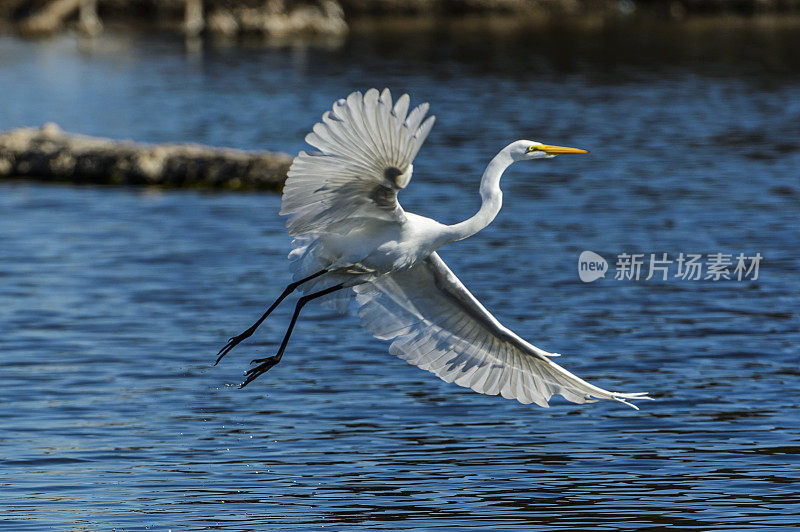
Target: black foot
point(264, 365)
point(233, 342)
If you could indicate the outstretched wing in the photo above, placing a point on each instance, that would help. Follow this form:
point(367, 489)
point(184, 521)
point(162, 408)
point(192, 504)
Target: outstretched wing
point(437, 324)
point(365, 149)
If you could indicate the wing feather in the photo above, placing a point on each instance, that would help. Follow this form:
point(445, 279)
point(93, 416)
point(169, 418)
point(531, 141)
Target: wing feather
point(363, 156)
point(435, 323)
point(401, 107)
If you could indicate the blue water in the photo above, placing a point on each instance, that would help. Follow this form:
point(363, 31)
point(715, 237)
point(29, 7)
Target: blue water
point(114, 301)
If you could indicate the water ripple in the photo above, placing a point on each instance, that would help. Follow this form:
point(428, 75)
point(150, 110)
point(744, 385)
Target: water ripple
point(114, 301)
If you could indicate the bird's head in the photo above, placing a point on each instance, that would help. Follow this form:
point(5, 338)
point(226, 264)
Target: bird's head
point(525, 150)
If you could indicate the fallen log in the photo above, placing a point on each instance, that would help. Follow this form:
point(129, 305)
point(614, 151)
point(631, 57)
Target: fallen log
point(50, 154)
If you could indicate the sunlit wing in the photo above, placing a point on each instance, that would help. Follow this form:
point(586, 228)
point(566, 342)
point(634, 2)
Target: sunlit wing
point(437, 324)
point(365, 149)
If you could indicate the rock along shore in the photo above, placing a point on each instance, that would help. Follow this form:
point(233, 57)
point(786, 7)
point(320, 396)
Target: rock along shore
point(50, 154)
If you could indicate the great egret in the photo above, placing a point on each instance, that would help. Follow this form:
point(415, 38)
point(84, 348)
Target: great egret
point(351, 237)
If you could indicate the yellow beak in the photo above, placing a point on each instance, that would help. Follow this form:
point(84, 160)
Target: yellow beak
point(560, 150)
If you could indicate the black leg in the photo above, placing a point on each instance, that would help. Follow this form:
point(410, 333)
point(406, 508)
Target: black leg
point(264, 364)
point(234, 341)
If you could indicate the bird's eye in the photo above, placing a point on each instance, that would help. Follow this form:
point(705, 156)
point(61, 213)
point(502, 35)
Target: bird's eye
point(532, 148)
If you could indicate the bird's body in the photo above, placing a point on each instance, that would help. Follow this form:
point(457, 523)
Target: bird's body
point(352, 238)
point(383, 246)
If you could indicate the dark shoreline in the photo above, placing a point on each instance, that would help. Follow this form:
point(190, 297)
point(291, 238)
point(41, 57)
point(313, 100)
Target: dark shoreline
point(337, 17)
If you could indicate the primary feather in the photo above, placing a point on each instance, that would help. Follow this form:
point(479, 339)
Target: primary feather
point(364, 152)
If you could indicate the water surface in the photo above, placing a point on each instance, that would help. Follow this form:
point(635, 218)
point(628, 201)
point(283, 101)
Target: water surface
point(113, 301)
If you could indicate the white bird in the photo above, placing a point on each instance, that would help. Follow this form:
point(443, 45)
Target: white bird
point(352, 237)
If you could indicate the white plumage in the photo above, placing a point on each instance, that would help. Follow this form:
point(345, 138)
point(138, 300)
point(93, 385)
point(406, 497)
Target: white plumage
point(352, 236)
point(439, 326)
point(359, 140)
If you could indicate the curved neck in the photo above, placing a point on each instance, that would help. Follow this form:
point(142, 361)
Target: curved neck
point(491, 196)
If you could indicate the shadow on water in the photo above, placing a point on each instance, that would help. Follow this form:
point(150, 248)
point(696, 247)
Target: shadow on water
point(113, 301)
